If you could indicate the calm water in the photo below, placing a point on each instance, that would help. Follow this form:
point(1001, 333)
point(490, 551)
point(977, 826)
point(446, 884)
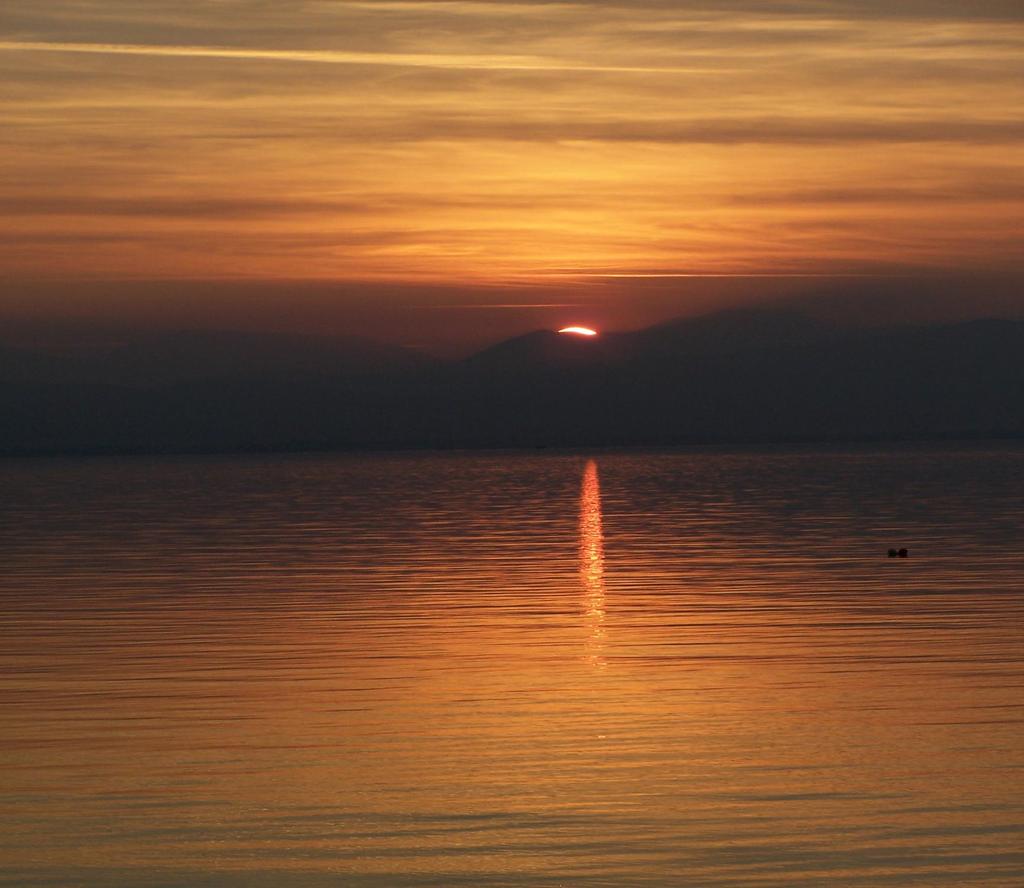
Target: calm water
point(688, 669)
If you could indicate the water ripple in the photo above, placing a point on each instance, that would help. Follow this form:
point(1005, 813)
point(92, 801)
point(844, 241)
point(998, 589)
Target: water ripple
point(689, 669)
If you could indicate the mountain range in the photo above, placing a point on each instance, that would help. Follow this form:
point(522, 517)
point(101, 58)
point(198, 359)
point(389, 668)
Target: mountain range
point(736, 376)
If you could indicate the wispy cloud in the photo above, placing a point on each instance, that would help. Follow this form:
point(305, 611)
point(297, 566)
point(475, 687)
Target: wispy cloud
point(222, 208)
point(518, 140)
point(466, 62)
point(509, 306)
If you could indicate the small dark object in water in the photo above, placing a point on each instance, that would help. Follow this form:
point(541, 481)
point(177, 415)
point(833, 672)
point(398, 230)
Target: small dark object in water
point(903, 553)
point(893, 553)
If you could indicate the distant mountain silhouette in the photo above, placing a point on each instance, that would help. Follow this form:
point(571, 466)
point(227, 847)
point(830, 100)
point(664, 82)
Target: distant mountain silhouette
point(163, 358)
point(739, 376)
point(735, 330)
point(545, 351)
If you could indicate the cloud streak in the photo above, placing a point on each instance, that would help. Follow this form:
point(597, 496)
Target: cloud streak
point(575, 143)
point(341, 57)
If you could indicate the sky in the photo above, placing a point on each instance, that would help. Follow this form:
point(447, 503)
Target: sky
point(440, 172)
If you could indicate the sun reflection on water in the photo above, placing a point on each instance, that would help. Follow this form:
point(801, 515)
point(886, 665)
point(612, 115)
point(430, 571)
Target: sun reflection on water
point(592, 563)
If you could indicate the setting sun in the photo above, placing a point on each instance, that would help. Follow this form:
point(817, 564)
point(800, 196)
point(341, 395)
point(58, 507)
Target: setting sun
point(579, 331)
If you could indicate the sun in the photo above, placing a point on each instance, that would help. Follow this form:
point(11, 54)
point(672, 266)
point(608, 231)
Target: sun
point(579, 331)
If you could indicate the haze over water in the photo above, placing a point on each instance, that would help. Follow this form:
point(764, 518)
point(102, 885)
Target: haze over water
point(688, 669)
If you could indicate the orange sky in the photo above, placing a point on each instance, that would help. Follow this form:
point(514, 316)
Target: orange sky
point(536, 146)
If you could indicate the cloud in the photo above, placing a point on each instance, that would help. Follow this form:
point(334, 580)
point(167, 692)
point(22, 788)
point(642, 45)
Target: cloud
point(455, 140)
point(234, 209)
point(467, 62)
point(725, 131)
point(210, 208)
point(67, 238)
point(989, 192)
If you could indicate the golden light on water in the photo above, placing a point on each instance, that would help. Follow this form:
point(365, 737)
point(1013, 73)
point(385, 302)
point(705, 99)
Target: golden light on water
point(592, 563)
point(413, 698)
point(579, 331)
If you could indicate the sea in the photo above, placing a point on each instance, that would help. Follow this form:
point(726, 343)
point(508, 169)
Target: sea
point(639, 668)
